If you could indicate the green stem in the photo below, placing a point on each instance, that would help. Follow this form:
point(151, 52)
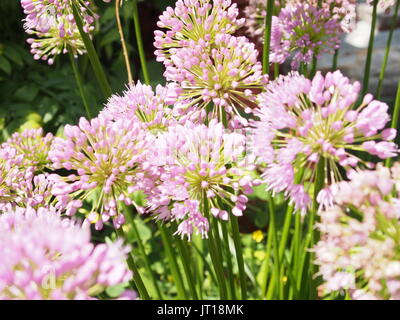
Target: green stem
point(239, 255)
point(335, 60)
point(318, 186)
point(368, 61)
point(232, 290)
point(94, 58)
point(276, 70)
point(265, 267)
point(144, 295)
point(139, 42)
point(166, 237)
point(79, 83)
point(187, 267)
point(267, 35)
point(314, 64)
point(212, 247)
point(142, 251)
point(395, 117)
point(388, 45)
point(277, 258)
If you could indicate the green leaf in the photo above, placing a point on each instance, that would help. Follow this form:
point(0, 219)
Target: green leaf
point(116, 291)
point(26, 93)
point(5, 65)
point(13, 54)
point(143, 229)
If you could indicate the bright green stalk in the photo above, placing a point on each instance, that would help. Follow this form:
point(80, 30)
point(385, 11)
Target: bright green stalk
point(368, 61)
point(215, 257)
point(335, 60)
point(144, 295)
point(94, 59)
point(198, 245)
point(313, 69)
point(276, 70)
point(277, 258)
point(388, 45)
point(267, 35)
point(79, 83)
point(318, 186)
point(142, 250)
point(232, 289)
point(187, 267)
point(171, 256)
point(239, 255)
point(265, 267)
point(139, 41)
point(395, 117)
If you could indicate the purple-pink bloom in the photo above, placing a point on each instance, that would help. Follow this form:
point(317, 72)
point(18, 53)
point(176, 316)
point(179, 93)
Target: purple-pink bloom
point(191, 21)
point(302, 122)
point(155, 110)
point(104, 159)
point(225, 78)
point(53, 24)
point(306, 31)
point(201, 170)
point(359, 245)
point(45, 257)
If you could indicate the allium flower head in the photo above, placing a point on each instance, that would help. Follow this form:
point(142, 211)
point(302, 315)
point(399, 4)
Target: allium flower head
point(12, 178)
point(341, 10)
point(106, 161)
point(44, 257)
point(154, 109)
point(32, 147)
point(359, 246)
point(383, 4)
point(200, 170)
point(228, 76)
point(194, 20)
point(53, 23)
point(305, 31)
point(303, 122)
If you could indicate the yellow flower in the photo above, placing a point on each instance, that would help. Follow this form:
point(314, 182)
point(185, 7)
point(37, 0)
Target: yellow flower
point(258, 236)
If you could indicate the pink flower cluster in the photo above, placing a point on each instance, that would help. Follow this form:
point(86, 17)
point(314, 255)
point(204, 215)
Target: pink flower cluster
point(155, 110)
point(227, 77)
point(46, 257)
point(215, 71)
point(32, 147)
point(105, 160)
point(359, 246)
point(343, 11)
point(54, 25)
point(191, 21)
point(304, 31)
point(23, 158)
point(200, 170)
point(302, 122)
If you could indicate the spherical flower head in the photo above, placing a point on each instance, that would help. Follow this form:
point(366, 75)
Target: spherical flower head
point(12, 177)
point(191, 21)
point(105, 158)
point(359, 246)
point(383, 4)
point(54, 25)
point(306, 31)
point(305, 122)
point(45, 257)
point(32, 146)
point(200, 171)
point(256, 11)
point(228, 77)
point(155, 110)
